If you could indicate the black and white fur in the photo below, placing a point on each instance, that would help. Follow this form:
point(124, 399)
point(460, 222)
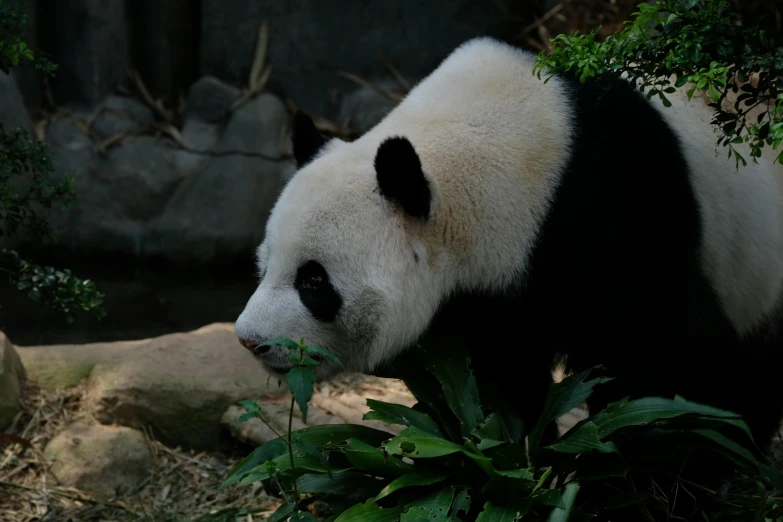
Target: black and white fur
point(561, 220)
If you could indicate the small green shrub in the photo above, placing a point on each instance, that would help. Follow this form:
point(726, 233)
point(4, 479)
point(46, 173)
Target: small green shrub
point(454, 462)
point(699, 42)
point(27, 191)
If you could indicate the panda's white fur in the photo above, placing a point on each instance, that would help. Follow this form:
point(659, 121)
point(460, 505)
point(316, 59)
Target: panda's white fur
point(742, 212)
point(493, 141)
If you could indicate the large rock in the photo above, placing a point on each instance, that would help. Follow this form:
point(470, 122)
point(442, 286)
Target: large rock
point(118, 193)
point(12, 375)
point(55, 367)
point(209, 99)
point(103, 461)
point(310, 39)
point(178, 385)
point(207, 106)
point(143, 197)
point(89, 40)
point(12, 109)
point(120, 114)
point(220, 210)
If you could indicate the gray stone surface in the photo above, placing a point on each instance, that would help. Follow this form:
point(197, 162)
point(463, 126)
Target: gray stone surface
point(115, 194)
point(12, 376)
point(89, 40)
point(179, 385)
point(104, 461)
point(117, 114)
point(145, 197)
point(12, 109)
point(309, 39)
point(221, 209)
point(209, 99)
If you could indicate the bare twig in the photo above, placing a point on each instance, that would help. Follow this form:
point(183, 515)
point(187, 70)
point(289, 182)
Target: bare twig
point(156, 106)
point(259, 58)
point(396, 73)
point(541, 21)
point(252, 93)
point(391, 96)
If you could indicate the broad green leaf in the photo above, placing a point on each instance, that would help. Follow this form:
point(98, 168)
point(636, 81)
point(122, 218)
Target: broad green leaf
point(340, 484)
point(300, 359)
point(416, 443)
point(461, 503)
point(323, 352)
point(585, 437)
point(450, 364)
point(399, 414)
point(369, 512)
point(491, 513)
point(434, 506)
point(281, 341)
point(304, 516)
point(414, 478)
point(490, 432)
point(735, 451)
point(549, 497)
point(270, 450)
point(638, 412)
point(252, 408)
point(302, 461)
point(332, 435)
point(524, 473)
point(315, 453)
point(569, 497)
point(714, 94)
point(301, 380)
point(562, 398)
point(281, 513)
point(246, 417)
point(369, 458)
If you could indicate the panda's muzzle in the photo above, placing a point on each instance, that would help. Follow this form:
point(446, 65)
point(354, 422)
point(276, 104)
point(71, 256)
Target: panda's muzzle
point(272, 365)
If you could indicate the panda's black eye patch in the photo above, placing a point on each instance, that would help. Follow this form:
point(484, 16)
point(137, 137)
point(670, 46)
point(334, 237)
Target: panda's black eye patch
point(316, 291)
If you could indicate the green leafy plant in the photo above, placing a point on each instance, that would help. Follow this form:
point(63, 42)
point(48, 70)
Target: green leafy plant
point(13, 51)
point(27, 191)
point(455, 461)
point(693, 43)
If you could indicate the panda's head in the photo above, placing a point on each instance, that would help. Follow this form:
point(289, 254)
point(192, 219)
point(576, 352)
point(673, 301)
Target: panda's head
point(347, 262)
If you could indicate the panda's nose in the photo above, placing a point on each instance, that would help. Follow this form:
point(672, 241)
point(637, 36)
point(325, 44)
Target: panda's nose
point(252, 345)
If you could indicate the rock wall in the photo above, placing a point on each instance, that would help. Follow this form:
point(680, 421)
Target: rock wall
point(174, 42)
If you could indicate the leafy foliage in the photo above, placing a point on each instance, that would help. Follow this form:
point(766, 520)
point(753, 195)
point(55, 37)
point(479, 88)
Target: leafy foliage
point(25, 164)
point(430, 471)
point(27, 190)
point(13, 51)
point(59, 288)
point(693, 43)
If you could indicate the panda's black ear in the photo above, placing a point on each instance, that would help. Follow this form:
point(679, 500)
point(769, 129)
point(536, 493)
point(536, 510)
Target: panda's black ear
point(306, 139)
point(401, 178)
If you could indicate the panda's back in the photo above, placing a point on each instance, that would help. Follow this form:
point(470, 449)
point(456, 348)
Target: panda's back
point(741, 212)
point(616, 189)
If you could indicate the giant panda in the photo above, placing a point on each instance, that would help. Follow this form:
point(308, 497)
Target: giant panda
point(565, 220)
